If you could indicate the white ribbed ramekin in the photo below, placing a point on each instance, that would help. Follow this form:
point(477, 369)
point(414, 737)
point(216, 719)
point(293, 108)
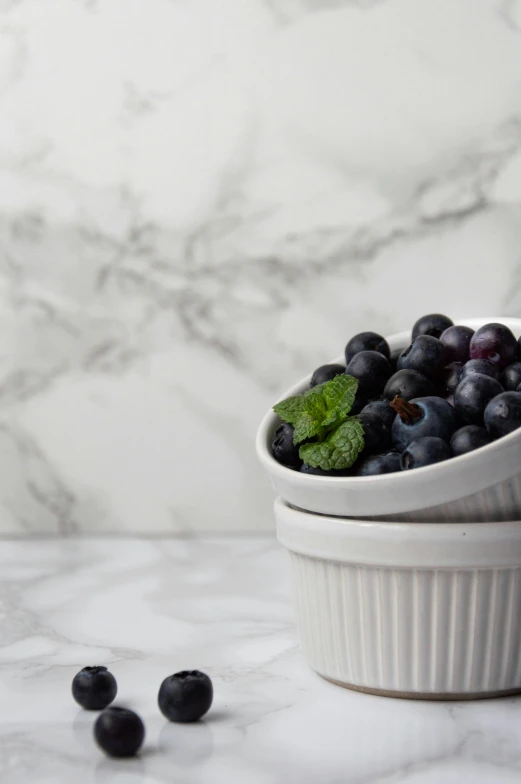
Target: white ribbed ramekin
point(408, 610)
point(483, 485)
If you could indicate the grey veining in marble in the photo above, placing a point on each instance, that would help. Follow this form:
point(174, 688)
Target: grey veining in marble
point(148, 608)
point(201, 201)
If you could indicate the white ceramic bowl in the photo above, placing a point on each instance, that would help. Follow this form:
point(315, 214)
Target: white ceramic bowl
point(484, 485)
point(408, 610)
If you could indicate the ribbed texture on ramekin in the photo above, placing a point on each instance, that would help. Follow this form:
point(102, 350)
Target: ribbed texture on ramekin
point(409, 631)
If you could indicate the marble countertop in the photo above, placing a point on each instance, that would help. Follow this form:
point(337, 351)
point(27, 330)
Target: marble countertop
point(148, 608)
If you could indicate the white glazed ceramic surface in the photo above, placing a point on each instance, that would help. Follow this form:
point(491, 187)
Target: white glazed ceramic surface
point(426, 610)
point(480, 486)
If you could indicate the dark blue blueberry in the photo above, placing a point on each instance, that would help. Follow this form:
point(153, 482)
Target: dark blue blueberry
point(377, 436)
point(496, 343)
point(119, 732)
point(282, 447)
point(379, 464)
point(408, 384)
point(185, 696)
point(481, 366)
point(372, 370)
point(472, 395)
point(94, 688)
point(450, 378)
point(468, 438)
point(427, 416)
point(326, 373)
point(424, 452)
point(503, 414)
point(359, 403)
point(382, 409)
point(511, 377)
point(367, 341)
point(426, 355)
point(434, 324)
point(394, 359)
point(457, 343)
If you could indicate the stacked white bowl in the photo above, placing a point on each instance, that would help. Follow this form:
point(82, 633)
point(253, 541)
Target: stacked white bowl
point(408, 584)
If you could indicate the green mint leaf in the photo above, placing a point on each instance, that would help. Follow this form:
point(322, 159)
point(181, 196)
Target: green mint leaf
point(339, 396)
point(320, 409)
point(291, 409)
point(339, 450)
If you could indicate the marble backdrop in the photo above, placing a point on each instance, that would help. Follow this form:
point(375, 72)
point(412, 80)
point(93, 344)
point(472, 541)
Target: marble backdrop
point(201, 200)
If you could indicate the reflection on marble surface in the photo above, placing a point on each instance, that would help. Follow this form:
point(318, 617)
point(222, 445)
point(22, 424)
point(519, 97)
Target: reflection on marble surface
point(148, 608)
point(200, 201)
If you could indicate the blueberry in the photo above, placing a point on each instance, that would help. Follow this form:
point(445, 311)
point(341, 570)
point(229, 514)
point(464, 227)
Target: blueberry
point(450, 377)
point(457, 343)
point(424, 452)
point(283, 449)
point(359, 403)
point(496, 343)
point(382, 409)
point(481, 366)
point(367, 341)
point(434, 324)
point(468, 438)
point(372, 371)
point(379, 464)
point(408, 384)
point(426, 355)
point(119, 732)
point(511, 377)
point(424, 416)
point(307, 469)
point(503, 414)
point(394, 359)
point(377, 435)
point(472, 395)
point(326, 373)
point(185, 696)
point(94, 688)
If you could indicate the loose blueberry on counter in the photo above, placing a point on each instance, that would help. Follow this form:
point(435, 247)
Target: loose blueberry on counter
point(377, 436)
point(119, 732)
point(94, 688)
point(472, 396)
point(382, 409)
point(511, 377)
point(372, 370)
point(408, 384)
point(496, 343)
point(367, 341)
point(427, 416)
point(468, 438)
point(503, 414)
point(283, 449)
point(434, 324)
point(185, 696)
point(481, 366)
point(426, 355)
point(450, 377)
point(325, 373)
point(379, 464)
point(424, 452)
point(457, 343)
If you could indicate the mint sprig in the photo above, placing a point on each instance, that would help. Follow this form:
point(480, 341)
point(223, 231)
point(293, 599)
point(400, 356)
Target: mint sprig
point(321, 414)
point(339, 450)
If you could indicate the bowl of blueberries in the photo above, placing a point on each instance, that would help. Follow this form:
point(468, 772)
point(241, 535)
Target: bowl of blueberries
point(416, 426)
point(398, 470)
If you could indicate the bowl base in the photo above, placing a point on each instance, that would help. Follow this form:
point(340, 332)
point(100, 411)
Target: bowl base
point(413, 695)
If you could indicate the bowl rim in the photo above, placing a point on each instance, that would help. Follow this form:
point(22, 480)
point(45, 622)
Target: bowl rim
point(399, 478)
point(407, 545)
